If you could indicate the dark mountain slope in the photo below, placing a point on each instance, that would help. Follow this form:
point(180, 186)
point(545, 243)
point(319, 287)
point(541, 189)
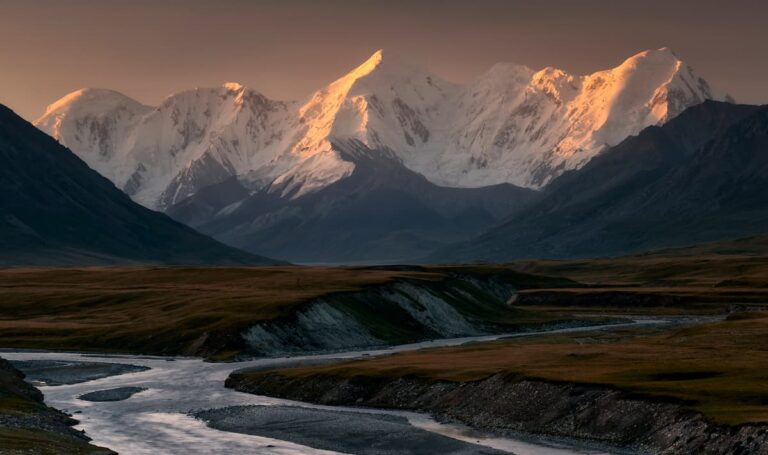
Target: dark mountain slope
point(700, 177)
point(381, 212)
point(55, 210)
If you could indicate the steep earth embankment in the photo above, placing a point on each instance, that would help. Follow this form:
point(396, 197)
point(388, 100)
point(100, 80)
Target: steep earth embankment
point(402, 311)
point(510, 403)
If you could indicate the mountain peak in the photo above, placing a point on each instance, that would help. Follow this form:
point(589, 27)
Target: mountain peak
point(509, 125)
point(368, 66)
point(377, 56)
point(88, 95)
point(393, 65)
point(662, 57)
point(63, 212)
point(233, 86)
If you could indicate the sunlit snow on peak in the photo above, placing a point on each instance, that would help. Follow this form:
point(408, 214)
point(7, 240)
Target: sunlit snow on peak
point(511, 124)
point(233, 86)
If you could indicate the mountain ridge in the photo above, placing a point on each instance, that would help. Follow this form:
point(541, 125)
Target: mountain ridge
point(382, 212)
point(509, 125)
point(58, 211)
point(697, 178)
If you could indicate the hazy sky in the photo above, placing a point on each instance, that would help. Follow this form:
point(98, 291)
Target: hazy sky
point(285, 49)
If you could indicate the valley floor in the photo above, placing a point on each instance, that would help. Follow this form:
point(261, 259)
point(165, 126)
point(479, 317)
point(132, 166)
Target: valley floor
point(181, 405)
point(227, 313)
point(696, 385)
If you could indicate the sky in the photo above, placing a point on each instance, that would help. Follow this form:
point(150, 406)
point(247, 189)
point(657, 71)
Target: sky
point(288, 48)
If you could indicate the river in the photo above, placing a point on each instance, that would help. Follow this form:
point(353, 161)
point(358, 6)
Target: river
point(158, 421)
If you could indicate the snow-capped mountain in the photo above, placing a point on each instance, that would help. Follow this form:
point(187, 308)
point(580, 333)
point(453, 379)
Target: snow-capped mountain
point(510, 125)
point(524, 127)
point(55, 210)
point(160, 155)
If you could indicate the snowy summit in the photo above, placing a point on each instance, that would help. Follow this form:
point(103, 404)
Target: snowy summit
point(511, 124)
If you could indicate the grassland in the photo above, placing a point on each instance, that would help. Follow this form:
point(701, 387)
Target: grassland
point(718, 369)
point(159, 310)
point(721, 267)
point(195, 311)
point(701, 279)
point(201, 311)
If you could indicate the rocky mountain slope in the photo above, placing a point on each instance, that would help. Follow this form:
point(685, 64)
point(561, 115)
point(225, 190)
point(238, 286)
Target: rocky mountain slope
point(55, 210)
point(382, 212)
point(510, 125)
point(701, 177)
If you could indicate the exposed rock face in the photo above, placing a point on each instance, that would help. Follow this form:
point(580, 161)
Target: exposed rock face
point(404, 311)
point(503, 403)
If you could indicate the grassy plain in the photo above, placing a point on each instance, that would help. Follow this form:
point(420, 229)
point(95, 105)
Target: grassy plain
point(162, 309)
point(182, 310)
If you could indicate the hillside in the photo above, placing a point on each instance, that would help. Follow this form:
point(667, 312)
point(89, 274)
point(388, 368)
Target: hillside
point(698, 178)
point(55, 210)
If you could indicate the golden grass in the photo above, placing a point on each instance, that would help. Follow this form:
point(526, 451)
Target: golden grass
point(719, 369)
point(162, 309)
point(713, 272)
point(707, 276)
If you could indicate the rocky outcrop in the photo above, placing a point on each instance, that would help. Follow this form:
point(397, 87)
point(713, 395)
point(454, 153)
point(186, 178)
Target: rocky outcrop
point(507, 403)
point(318, 327)
point(399, 312)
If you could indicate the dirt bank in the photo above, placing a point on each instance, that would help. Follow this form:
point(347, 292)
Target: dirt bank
point(508, 403)
point(28, 426)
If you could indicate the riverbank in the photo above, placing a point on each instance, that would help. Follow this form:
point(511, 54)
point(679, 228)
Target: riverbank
point(159, 419)
point(696, 389)
point(237, 313)
point(28, 426)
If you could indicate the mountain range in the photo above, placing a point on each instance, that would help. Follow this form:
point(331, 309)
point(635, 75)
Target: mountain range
point(386, 147)
point(701, 177)
point(381, 212)
point(55, 210)
point(510, 125)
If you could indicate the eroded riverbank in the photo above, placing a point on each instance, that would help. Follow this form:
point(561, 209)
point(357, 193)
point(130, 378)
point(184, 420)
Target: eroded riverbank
point(693, 388)
point(158, 421)
point(505, 404)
